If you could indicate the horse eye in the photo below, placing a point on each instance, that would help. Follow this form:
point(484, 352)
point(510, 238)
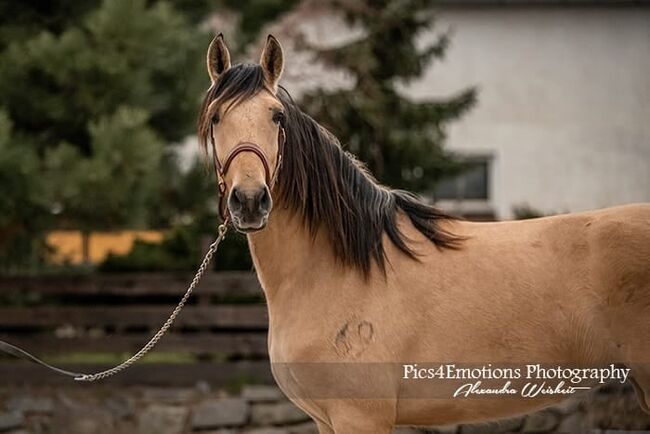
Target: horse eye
point(278, 117)
point(215, 118)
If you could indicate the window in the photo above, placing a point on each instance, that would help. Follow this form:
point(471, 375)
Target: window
point(473, 183)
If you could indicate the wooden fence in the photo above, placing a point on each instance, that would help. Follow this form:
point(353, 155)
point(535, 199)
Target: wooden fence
point(220, 335)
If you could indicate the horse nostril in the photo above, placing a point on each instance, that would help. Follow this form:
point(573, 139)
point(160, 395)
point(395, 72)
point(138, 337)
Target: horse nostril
point(237, 199)
point(250, 202)
point(264, 199)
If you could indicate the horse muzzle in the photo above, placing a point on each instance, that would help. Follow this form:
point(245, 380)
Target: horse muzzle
point(249, 208)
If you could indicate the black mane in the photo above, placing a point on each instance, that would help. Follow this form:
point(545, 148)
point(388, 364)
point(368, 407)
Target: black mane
point(328, 186)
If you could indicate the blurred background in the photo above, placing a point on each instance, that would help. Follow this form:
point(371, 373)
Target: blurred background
point(491, 109)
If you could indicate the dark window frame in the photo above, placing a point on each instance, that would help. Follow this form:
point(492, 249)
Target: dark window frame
point(478, 176)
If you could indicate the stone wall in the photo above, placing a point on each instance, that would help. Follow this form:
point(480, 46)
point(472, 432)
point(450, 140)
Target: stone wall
point(260, 410)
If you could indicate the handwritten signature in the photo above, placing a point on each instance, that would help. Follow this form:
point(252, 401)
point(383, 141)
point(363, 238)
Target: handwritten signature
point(529, 390)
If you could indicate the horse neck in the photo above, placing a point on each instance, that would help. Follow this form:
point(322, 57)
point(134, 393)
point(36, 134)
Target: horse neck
point(285, 249)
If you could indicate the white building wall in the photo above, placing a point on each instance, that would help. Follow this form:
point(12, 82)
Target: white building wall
point(564, 102)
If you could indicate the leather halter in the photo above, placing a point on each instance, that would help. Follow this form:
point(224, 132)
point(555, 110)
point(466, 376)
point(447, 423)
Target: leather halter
point(222, 169)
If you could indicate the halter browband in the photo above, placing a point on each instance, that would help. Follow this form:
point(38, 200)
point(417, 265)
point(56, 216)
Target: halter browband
point(222, 169)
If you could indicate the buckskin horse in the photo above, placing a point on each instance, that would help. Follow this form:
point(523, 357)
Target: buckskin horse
point(358, 276)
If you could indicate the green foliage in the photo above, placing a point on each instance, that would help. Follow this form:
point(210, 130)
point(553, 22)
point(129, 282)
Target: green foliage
point(110, 187)
point(251, 16)
point(189, 203)
point(92, 92)
point(23, 203)
point(254, 14)
point(185, 196)
point(525, 211)
point(177, 252)
point(401, 140)
point(197, 11)
point(122, 54)
point(181, 251)
point(18, 167)
point(234, 254)
point(22, 19)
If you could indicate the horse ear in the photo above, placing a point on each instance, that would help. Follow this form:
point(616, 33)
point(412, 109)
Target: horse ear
point(272, 62)
point(218, 58)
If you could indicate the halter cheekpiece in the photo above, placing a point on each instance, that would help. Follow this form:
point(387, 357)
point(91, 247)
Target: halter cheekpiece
point(222, 169)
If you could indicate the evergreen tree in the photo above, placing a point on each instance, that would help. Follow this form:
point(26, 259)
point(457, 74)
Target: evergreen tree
point(254, 15)
point(124, 53)
point(401, 140)
point(23, 202)
point(92, 98)
point(92, 94)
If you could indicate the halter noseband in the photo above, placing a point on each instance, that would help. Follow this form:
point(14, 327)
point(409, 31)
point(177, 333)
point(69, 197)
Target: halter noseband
point(222, 169)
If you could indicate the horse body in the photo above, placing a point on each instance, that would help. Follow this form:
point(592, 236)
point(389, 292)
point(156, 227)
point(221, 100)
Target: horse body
point(570, 289)
point(361, 280)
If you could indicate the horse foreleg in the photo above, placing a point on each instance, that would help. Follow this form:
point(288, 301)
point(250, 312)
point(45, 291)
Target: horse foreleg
point(641, 382)
point(362, 427)
point(324, 429)
point(357, 421)
point(347, 424)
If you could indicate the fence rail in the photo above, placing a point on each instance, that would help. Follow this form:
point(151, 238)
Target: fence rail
point(121, 317)
point(135, 284)
point(58, 316)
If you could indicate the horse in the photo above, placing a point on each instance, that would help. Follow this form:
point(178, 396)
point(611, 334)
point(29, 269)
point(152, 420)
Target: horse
point(362, 280)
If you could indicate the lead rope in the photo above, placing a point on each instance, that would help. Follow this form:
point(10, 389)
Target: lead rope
point(15, 351)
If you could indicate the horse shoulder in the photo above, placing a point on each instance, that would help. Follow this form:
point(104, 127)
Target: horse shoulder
point(620, 239)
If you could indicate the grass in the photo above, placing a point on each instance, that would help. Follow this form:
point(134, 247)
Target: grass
point(116, 358)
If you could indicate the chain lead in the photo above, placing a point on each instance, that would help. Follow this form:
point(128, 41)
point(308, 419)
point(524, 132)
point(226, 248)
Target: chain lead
point(221, 231)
